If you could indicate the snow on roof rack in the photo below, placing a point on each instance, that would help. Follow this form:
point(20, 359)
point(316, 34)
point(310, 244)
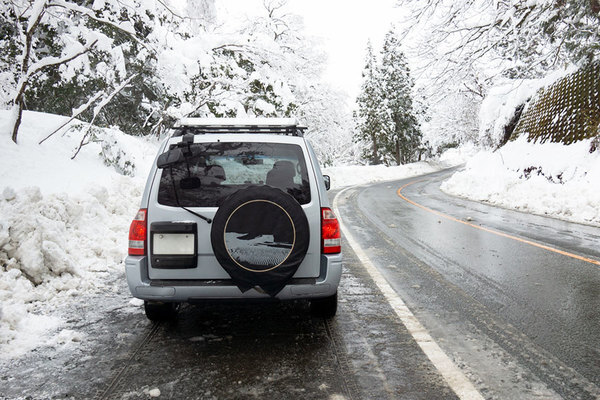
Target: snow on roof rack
point(200, 126)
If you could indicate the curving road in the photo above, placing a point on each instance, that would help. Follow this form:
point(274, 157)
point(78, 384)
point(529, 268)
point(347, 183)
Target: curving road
point(513, 299)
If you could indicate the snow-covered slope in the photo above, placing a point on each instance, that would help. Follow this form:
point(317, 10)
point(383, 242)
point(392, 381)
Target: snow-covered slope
point(547, 179)
point(63, 222)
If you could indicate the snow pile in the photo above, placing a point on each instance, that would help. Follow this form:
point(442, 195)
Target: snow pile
point(458, 155)
point(63, 222)
point(359, 175)
point(547, 179)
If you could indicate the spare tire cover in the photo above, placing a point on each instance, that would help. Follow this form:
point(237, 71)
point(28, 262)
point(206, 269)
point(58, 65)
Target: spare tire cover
point(260, 236)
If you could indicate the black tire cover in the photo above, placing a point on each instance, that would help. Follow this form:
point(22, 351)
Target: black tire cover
point(260, 236)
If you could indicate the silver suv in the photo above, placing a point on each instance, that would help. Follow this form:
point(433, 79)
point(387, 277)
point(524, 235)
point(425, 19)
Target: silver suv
point(235, 209)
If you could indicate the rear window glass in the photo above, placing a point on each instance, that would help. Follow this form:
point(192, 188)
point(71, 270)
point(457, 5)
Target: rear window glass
point(213, 171)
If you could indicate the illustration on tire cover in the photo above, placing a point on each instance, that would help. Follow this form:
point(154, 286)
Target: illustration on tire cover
point(260, 236)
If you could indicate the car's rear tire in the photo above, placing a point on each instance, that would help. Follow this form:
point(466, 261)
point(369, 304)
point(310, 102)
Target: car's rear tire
point(159, 311)
point(325, 307)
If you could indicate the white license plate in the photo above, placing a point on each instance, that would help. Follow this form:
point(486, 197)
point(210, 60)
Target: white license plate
point(173, 243)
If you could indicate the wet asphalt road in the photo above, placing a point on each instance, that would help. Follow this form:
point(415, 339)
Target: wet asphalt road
point(524, 320)
point(521, 322)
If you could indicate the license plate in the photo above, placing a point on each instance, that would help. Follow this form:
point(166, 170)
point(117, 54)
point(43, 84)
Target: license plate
point(173, 243)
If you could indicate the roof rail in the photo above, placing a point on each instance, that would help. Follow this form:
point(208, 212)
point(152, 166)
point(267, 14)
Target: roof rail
point(201, 126)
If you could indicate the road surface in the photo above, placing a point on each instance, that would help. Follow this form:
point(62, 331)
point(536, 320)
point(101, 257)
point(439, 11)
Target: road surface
point(517, 301)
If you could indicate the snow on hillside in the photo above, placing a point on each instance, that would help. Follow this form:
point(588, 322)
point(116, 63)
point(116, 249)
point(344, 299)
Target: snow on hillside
point(499, 105)
point(63, 222)
point(547, 179)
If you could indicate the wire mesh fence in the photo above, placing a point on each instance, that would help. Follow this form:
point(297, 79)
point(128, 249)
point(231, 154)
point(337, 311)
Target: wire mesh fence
point(567, 111)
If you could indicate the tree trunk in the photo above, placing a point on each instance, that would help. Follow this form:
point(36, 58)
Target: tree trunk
point(24, 80)
point(375, 155)
point(19, 106)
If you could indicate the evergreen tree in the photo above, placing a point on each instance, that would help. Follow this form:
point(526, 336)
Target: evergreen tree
point(370, 106)
point(401, 139)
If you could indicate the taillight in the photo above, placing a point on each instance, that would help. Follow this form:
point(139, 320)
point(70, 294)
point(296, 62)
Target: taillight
point(137, 234)
point(330, 232)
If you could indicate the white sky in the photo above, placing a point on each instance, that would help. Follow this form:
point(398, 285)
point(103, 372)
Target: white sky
point(344, 26)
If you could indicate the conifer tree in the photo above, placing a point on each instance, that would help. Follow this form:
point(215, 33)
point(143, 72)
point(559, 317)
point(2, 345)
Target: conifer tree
point(369, 114)
point(401, 139)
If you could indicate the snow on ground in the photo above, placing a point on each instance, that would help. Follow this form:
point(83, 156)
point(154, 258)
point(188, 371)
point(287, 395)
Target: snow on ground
point(63, 223)
point(457, 156)
point(351, 175)
point(547, 179)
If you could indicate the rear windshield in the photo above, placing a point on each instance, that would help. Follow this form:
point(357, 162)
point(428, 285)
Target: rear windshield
point(213, 171)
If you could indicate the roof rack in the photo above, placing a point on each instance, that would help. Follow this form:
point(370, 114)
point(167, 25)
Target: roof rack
point(202, 126)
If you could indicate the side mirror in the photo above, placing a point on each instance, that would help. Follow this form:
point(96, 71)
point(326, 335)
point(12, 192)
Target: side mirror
point(170, 158)
point(327, 180)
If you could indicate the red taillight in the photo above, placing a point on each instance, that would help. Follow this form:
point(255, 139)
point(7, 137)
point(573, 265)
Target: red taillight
point(330, 232)
point(137, 234)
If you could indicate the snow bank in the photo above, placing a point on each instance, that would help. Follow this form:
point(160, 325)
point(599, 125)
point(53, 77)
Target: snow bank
point(351, 175)
point(360, 174)
point(63, 222)
point(49, 165)
point(547, 179)
point(458, 155)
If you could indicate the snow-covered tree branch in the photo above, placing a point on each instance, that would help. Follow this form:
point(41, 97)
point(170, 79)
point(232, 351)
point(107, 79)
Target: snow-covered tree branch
point(106, 98)
point(92, 41)
point(524, 38)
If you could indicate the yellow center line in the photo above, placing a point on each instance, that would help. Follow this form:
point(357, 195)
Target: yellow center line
point(518, 239)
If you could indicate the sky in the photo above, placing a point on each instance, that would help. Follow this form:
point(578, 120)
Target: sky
point(344, 26)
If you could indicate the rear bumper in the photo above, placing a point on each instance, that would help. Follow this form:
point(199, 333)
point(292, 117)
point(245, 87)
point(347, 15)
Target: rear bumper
point(140, 285)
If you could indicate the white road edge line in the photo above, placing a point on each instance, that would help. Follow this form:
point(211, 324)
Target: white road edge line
point(457, 381)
